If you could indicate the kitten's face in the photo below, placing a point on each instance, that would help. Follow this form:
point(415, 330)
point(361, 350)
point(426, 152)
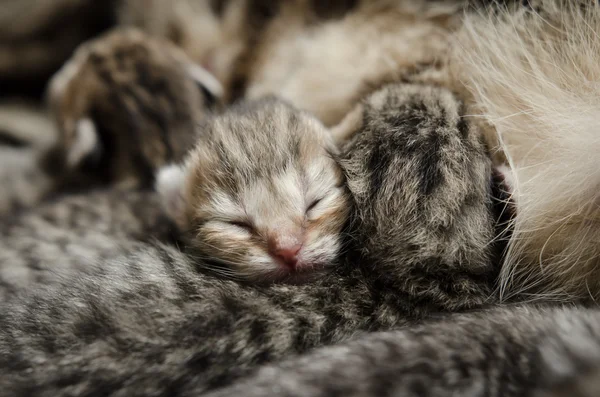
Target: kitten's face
point(263, 195)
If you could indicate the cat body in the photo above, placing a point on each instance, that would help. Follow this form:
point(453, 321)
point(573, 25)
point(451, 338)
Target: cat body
point(509, 351)
point(149, 323)
point(67, 234)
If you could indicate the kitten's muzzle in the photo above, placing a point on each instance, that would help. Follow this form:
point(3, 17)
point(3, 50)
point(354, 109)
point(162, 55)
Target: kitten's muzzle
point(285, 248)
point(288, 256)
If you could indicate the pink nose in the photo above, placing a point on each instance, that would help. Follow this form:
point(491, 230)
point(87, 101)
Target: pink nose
point(288, 255)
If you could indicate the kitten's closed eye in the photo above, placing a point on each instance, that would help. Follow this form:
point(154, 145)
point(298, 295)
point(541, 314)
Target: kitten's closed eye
point(247, 226)
point(313, 204)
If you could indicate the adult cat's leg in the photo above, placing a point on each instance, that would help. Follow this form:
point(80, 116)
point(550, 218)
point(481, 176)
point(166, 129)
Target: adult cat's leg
point(148, 323)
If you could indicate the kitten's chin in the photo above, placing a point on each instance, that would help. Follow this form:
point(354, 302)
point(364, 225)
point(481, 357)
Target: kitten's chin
point(301, 275)
point(305, 277)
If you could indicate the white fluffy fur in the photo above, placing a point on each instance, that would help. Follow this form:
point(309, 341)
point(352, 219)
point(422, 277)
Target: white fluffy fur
point(169, 185)
point(536, 79)
point(325, 68)
point(86, 140)
point(202, 76)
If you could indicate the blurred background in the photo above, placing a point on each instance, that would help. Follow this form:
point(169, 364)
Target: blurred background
point(37, 36)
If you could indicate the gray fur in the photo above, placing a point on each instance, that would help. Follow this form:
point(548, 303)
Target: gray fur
point(503, 352)
point(151, 323)
point(421, 176)
point(70, 233)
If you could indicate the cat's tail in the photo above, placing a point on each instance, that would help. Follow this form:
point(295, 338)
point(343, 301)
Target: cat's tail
point(534, 73)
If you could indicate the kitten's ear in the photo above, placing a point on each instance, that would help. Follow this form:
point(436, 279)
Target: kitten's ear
point(86, 144)
point(210, 86)
point(345, 129)
point(170, 182)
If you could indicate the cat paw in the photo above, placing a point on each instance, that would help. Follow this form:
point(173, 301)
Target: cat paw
point(126, 104)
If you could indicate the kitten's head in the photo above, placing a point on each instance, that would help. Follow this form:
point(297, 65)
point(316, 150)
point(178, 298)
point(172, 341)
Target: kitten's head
point(261, 193)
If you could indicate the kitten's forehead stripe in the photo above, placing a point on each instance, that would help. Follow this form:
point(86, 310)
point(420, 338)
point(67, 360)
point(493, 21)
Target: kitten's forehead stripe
point(261, 144)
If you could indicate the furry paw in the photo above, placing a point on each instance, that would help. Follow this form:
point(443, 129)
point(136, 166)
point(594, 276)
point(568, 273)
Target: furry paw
point(125, 104)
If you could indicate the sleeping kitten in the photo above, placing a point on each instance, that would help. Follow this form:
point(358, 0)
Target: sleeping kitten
point(261, 194)
point(150, 323)
point(503, 352)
